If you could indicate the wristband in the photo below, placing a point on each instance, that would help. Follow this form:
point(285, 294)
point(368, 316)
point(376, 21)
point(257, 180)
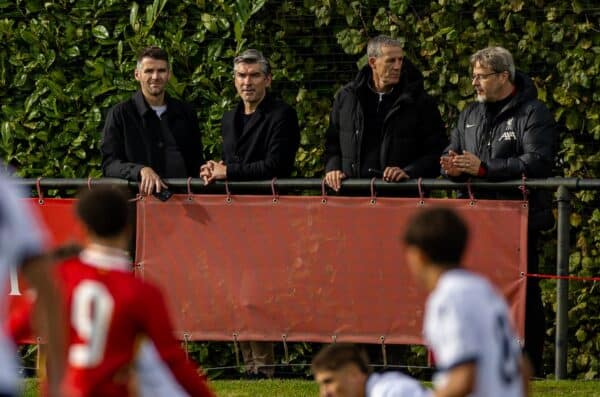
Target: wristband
point(482, 169)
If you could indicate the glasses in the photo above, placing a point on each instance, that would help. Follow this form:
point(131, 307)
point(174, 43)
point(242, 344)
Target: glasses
point(479, 77)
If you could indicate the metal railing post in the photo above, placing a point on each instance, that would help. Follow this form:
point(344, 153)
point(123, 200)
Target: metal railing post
point(562, 286)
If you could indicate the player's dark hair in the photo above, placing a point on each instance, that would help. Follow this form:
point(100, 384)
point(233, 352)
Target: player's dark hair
point(338, 355)
point(440, 233)
point(103, 210)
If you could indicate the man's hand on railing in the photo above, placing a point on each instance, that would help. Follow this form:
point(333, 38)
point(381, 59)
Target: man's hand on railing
point(150, 182)
point(333, 179)
point(212, 171)
point(394, 174)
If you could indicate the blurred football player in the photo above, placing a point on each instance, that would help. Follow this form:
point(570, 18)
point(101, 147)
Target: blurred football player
point(342, 370)
point(466, 323)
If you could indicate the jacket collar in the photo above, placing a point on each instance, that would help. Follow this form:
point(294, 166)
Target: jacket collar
point(107, 258)
point(263, 106)
point(410, 84)
point(526, 91)
point(143, 108)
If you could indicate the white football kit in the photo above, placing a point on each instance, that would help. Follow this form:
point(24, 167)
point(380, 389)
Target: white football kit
point(466, 320)
point(394, 384)
point(20, 238)
point(155, 379)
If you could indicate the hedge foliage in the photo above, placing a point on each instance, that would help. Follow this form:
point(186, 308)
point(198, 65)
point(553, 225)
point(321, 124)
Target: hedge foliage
point(63, 63)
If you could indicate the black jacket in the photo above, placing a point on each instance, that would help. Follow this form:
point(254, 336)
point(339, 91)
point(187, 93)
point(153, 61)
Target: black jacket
point(413, 136)
point(520, 140)
point(267, 146)
point(132, 138)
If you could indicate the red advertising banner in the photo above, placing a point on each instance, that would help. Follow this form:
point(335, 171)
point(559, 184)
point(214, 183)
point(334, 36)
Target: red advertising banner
point(307, 269)
point(58, 217)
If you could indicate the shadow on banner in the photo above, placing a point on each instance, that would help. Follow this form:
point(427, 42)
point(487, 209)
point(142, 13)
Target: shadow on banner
point(307, 269)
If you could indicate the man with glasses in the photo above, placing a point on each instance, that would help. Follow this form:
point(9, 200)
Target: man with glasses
point(507, 134)
point(261, 135)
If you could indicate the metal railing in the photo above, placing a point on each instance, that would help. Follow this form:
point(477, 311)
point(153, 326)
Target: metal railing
point(562, 186)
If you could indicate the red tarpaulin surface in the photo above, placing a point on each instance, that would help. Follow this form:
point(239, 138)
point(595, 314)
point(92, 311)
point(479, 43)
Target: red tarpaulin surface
point(255, 269)
point(58, 216)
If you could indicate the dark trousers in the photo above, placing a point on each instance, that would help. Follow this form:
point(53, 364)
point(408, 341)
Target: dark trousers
point(535, 322)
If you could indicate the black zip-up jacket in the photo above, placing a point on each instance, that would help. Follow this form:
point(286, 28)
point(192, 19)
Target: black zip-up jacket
point(267, 145)
point(519, 141)
point(413, 136)
point(132, 138)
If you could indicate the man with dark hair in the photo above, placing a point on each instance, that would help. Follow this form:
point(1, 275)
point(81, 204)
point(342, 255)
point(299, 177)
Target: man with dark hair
point(508, 134)
point(260, 140)
point(108, 326)
point(384, 123)
point(152, 135)
point(466, 323)
point(342, 370)
point(261, 135)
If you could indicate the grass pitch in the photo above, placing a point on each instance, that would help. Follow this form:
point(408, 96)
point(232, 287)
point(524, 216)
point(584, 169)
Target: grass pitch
point(304, 388)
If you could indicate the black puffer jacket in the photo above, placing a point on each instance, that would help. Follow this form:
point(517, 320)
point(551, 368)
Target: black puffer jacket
point(520, 140)
point(413, 136)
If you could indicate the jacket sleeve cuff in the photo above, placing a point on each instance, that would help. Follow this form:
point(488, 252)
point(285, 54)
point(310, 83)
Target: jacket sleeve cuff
point(233, 171)
point(333, 164)
point(136, 172)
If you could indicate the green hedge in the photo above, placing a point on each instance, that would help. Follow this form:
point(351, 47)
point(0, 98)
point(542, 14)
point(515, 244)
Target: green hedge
point(64, 63)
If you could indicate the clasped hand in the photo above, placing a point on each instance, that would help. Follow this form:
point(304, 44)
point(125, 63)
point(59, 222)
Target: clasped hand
point(455, 164)
point(212, 171)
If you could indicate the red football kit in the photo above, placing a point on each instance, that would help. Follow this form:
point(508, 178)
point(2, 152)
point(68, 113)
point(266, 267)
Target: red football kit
point(110, 311)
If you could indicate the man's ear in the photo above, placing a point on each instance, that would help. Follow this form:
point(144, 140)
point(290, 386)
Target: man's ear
point(371, 62)
point(136, 74)
point(269, 80)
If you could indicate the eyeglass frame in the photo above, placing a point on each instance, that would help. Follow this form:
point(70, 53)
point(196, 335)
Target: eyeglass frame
point(480, 77)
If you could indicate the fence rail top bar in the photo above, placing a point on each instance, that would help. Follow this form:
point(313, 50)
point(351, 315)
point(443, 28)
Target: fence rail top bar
point(315, 183)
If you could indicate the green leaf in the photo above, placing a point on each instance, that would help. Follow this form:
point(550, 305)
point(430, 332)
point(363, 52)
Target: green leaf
point(80, 153)
point(573, 120)
point(100, 32)
point(72, 51)
point(575, 220)
point(210, 23)
point(133, 16)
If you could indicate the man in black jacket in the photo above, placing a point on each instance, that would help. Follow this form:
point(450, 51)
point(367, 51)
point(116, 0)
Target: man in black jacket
point(505, 135)
point(260, 140)
point(384, 123)
point(261, 135)
point(151, 135)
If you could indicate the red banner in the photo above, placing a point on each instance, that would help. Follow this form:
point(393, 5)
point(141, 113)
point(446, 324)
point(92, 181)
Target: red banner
point(303, 269)
point(58, 216)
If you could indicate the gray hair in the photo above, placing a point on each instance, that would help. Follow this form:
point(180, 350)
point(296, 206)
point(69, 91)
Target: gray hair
point(253, 56)
point(498, 59)
point(375, 44)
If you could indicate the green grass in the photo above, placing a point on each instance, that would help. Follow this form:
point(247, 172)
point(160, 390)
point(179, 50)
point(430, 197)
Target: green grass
point(303, 388)
point(275, 388)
